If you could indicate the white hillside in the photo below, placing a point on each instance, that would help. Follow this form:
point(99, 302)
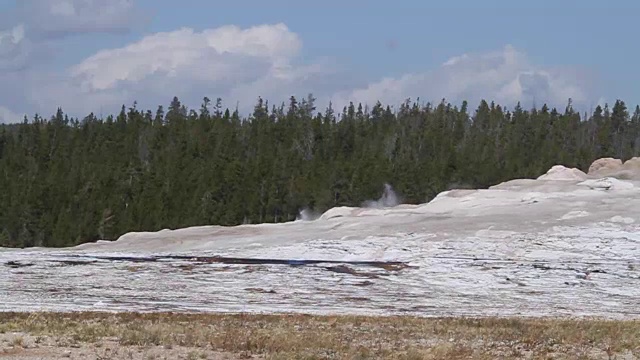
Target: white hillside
point(566, 243)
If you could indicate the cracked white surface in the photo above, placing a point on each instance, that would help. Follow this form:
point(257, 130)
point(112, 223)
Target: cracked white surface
point(523, 248)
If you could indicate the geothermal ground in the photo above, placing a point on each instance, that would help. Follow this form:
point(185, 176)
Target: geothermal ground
point(566, 244)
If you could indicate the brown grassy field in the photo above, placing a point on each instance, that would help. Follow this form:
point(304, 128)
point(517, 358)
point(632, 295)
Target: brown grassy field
point(90, 335)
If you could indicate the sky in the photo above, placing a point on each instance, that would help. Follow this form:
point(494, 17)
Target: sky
point(96, 55)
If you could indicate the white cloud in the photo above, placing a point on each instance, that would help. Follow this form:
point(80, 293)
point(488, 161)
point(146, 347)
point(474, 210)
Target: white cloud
point(8, 116)
point(58, 18)
point(228, 62)
point(233, 63)
point(505, 76)
point(14, 36)
point(218, 55)
point(14, 48)
point(26, 31)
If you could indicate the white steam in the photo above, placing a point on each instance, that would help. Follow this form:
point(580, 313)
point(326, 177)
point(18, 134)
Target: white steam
point(389, 198)
point(307, 214)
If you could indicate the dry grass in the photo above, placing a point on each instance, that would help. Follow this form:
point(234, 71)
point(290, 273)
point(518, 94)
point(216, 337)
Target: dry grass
point(337, 337)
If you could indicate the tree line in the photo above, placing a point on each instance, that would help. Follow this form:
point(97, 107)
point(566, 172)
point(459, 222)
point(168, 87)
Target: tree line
point(67, 181)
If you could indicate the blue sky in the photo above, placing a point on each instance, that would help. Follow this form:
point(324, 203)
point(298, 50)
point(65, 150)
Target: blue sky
point(339, 50)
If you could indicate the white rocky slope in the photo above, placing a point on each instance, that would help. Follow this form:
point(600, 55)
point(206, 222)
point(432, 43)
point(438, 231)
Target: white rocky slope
point(565, 244)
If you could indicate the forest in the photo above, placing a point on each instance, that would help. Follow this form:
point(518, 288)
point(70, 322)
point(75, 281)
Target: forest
point(67, 181)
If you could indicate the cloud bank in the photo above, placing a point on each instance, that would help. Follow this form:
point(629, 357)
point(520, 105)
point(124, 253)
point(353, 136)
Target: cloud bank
point(230, 62)
point(505, 76)
point(238, 65)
